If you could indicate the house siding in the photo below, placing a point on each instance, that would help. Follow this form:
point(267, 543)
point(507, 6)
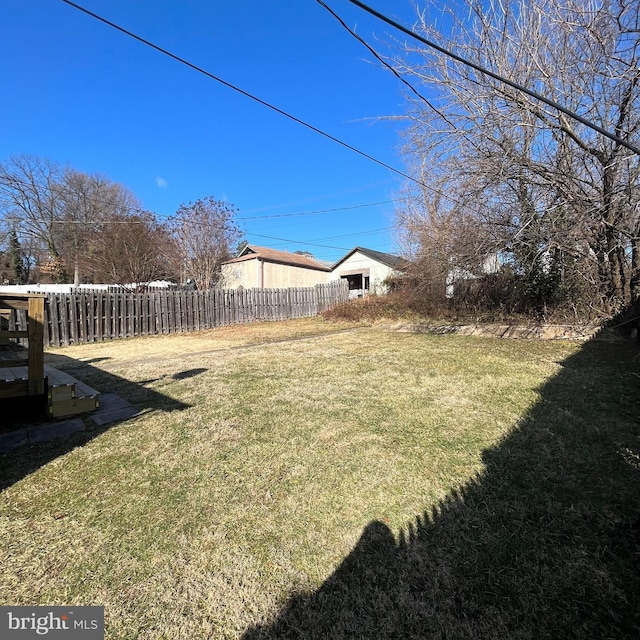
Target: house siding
point(258, 273)
point(283, 276)
point(360, 263)
point(240, 274)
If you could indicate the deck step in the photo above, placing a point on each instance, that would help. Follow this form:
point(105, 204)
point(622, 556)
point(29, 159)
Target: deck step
point(14, 388)
point(61, 392)
point(68, 396)
point(73, 406)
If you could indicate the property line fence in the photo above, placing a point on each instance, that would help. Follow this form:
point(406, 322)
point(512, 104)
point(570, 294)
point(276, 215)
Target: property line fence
point(94, 316)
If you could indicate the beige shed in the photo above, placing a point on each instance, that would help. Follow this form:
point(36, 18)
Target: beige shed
point(263, 268)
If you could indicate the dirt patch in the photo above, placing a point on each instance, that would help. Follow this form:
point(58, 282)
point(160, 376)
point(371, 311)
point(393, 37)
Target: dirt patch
point(520, 331)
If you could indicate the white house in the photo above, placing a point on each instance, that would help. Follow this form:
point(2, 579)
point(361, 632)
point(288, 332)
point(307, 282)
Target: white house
point(490, 264)
point(366, 270)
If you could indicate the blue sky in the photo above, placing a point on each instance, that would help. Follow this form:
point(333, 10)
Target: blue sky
point(78, 92)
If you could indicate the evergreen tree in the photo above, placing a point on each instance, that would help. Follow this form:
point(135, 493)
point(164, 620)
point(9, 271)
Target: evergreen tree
point(17, 262)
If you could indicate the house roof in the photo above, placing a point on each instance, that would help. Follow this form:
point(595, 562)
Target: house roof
point(252, 252)
point(388, 259)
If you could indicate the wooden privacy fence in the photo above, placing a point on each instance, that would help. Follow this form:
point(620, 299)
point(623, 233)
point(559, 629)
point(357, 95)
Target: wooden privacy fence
point(94, 316)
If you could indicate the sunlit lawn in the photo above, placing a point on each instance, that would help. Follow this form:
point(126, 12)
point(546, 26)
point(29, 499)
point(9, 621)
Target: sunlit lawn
point(200, 523)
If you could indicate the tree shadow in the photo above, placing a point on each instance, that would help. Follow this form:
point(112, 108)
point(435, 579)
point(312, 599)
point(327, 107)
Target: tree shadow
point(545, 543)
point(20, 413)
point(189, 373)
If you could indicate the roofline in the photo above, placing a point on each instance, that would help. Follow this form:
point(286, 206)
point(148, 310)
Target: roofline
point(366, 253)
point(256, 256)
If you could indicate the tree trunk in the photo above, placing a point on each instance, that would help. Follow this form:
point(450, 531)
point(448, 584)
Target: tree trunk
point(634, 280)
point(616, 275)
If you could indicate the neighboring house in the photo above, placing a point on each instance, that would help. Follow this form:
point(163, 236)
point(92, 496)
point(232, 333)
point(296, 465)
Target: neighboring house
point(260, 267)
point(490, 265)
point(366, 271)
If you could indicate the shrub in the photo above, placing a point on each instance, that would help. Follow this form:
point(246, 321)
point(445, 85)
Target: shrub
point(397, 305)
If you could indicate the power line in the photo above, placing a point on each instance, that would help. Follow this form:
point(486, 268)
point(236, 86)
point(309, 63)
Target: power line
point(495, 76)
point(364, 187)
point(301, 122)
point(58, 188)
point(380, 59)
point(252, 97)
point(347, 235)
point(27, 189)
point(60, 221)
point(238, 89)
point(456, 203)
point(308, 213)
point(354, 235)
point(312, 244)
point(137, 211)
point(262, 102)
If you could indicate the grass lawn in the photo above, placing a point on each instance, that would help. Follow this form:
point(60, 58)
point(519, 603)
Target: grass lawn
point(287, 480)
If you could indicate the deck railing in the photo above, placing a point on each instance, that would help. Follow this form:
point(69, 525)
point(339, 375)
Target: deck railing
point(22, 319)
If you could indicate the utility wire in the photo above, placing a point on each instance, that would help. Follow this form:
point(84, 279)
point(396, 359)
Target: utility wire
point(320, 132)
point(297, 203)
point(264, 103)
point(28, 189)
point(312, 241)
point(308, 213)
point(61, 188)
point(252, 97)
point(165, 216)
point(57, 221)
point(495, 76)
point(312, 244)
point(382, 61)
point(353, 235)
point(241, 91)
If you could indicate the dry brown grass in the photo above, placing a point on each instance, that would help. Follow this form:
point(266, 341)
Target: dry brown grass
point(201, 523)
point(220, 338)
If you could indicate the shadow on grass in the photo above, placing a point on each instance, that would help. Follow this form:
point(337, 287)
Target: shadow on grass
point(20, 413)
point(189, 373)
point(544, 544)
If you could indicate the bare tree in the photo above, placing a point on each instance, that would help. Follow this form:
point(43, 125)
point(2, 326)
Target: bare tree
point(56, 210)
point(89, 202)
point(549, 190)
point(30, 201)
point(132, 249)
point(205, 232)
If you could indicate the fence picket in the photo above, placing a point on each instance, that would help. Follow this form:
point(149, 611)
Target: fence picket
point(95, 316)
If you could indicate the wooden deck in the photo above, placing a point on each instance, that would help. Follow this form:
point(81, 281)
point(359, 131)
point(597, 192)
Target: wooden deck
point(31, 304)
point(65, 395)
point(23, 373)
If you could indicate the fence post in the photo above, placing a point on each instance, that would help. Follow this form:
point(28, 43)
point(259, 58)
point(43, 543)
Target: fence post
point(74, 318)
